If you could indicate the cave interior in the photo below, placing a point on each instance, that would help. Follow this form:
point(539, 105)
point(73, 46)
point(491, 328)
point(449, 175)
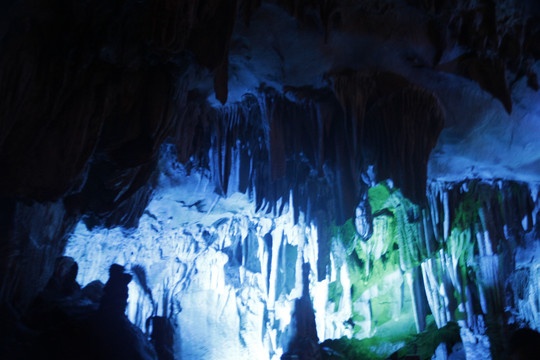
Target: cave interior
point(269, 179)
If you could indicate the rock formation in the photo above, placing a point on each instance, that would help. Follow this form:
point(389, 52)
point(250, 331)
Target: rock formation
point(213, 147)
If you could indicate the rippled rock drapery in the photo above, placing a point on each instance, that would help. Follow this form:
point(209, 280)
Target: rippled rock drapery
point(319, 144)
point(375, 103)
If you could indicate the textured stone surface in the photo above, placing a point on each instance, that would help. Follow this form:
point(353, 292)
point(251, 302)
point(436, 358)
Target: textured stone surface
point(303, 106)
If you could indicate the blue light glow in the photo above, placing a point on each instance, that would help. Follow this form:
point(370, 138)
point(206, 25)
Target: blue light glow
point(208, 257)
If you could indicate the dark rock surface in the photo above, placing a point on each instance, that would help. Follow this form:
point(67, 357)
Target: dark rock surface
point(64, 323)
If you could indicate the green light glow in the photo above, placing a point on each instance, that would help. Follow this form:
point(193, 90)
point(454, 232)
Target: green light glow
point(375, 266)
point(426, 267)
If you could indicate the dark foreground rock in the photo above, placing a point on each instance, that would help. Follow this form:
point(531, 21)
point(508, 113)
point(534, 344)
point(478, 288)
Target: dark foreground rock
point(66, 322)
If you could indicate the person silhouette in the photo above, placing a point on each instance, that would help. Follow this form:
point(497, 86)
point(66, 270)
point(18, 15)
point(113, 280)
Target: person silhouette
point(115, 292)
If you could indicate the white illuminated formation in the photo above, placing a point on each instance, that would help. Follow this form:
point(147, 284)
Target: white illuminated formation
point(227, 274)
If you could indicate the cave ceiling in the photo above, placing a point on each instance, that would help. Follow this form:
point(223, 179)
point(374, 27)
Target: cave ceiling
point(90, 90)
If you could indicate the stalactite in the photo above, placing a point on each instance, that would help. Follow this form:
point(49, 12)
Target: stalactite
point(436, 296)
point(210, 38)
point(364, 220)
point(525, 296)
point(458, 255)
point(324, 242)
point(418, 296)
point(277, 118)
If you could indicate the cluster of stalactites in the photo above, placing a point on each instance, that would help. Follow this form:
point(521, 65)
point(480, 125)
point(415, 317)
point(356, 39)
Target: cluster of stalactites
point(467, 254)
point(480, 224)
point(461, 250)
point(317, 144)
